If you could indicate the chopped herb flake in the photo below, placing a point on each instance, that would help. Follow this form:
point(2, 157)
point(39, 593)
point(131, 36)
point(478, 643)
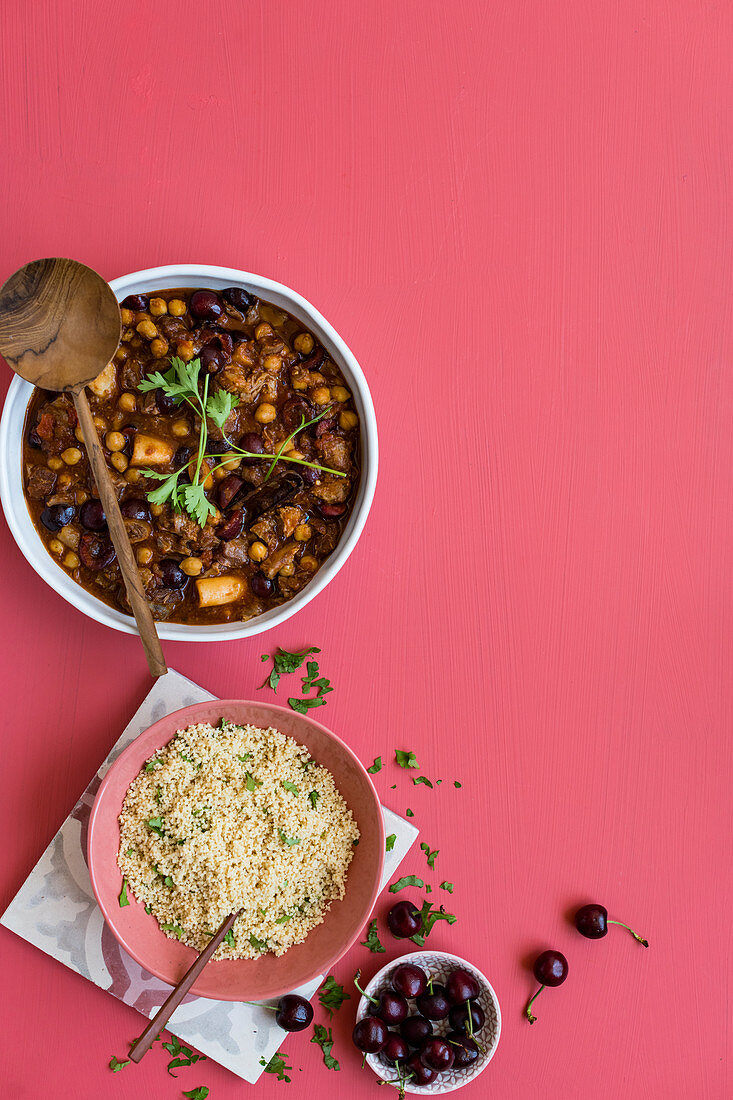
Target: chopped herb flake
point(447, 886)
point(457, 784)
point(151, 764)
point(324, 1040)
point(229, 938)
point(376, 766)
point(430, 856)
point(390, 841)
point(406, 880)
point(332, 995)
point(288, 786)
point(115, 1065)
point(372, 941)
point(176, 929)
point(422, 779)
point(123, 899)
point(313, 798)
point(199, 1093)
point(259, 945)
point(406, 759)
point(288, 840)
point(278, 1066)
point(409, 813)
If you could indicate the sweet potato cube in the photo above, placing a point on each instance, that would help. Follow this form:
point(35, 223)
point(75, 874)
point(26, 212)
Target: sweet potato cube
point(150, 450)
point(105, 384)
point(217, 591)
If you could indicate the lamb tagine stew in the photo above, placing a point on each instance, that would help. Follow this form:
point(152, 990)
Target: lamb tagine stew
point(233, 444)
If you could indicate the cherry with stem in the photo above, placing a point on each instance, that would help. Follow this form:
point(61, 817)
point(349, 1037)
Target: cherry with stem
point(550, 969)
point(592, 922)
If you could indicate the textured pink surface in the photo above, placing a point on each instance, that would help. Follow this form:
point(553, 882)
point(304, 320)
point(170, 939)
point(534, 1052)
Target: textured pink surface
point(245, 979)
point(518, 216)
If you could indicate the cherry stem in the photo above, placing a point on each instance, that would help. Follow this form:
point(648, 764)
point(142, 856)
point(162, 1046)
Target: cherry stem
point(469, 1025)
point(259, 1004)
point(356, 983)
point(638, 938)
point(527, 1011)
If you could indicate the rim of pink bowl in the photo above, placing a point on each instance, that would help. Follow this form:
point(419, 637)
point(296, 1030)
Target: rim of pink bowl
point(201, 988)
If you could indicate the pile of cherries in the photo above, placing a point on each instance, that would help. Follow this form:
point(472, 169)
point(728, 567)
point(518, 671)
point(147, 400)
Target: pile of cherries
point(406, 1040)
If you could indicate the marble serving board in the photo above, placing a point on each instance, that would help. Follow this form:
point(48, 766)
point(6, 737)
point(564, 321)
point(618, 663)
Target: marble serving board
point(57, 912)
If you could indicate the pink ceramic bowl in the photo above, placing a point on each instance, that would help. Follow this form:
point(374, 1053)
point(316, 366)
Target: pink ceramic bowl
point(241, 979)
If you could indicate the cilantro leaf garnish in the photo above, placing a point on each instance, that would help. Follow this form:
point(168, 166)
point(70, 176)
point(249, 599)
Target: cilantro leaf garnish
point(284, 663)
point(376, 766)
point(219, 407)
point(313, 798)
point(422, 779)
point(288, 786)
point(182, 1055)
point(290, 841)
point(278, 1066)
point(430, 856)
point(332, 995)
point(447, 886)
point(390, 841)
point(176, 929)
point(324, 1040)
point(457, 784)
point(151, 764)
point(409, 813)
point(406, 880)
point(199, 1093)
point(123, 899)
point(155, 824)
point(259, 945)
point(372, 941)
point(250, 782)
point(429, 917)
point(406, 759)
point(302, 706)
point(229, 938)
point(115, 1065)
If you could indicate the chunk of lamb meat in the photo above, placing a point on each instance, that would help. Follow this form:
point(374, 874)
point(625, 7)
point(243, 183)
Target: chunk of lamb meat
point(266, 530)
point(286, 555)
point(247, 382)
point(290, 517)
point(332, 490)
point(334, 451)
point(55, 427)
point(236, 551)
point(41, 482)
point(179, 534)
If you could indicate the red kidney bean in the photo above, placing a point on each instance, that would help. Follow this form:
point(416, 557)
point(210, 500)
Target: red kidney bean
point(331, 511)
point(252, 442)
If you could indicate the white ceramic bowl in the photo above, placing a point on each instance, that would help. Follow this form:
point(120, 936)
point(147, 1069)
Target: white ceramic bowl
point(11, 478)
point(438, 965)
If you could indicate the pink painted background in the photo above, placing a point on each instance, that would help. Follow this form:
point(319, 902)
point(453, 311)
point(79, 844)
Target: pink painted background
point(519, 217)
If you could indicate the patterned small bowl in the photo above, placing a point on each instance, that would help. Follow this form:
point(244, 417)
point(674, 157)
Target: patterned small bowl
point(438, 965)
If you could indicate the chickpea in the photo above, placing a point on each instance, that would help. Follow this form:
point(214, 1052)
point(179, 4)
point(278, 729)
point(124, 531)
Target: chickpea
point(117, 419)
point(302, 532)
point(71, 560)
point(115, 441)
point(119, 461)
point(144, 555)
point(263, 331)
point(192, 566)
point(64, 481)
point(340, 393)
point(158, 347)
point(81, 496)
point(299, 383)
point(147, 329)
point(135, 342)
point(55, 463)
point(309, 563)
point(214, 518)
point(71, 456)
point(265, 413)
point(304, 343)
point(79, 433)
point(185, 351)
point(272, 362)
point(100, 424)
point(321, 395)
point(287, 570)
point(127, 316)
point(122, 354)
point(180, 428)
point(176, 307)
point(56, 546)
point(127, 402)
point(315, 378)
point(156, 509)
point(158, 306)
point(232, 464)
point(132, 476)
point(293, 452)
point(258, 551)
point(127, 334)
point(348, 420)
point(219, 474)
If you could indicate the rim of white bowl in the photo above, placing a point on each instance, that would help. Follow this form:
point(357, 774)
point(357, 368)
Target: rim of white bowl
point(29, 541)
point(438, 1087)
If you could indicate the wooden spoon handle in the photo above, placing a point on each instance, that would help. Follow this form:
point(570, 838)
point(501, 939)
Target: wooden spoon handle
point(118, 534)
point(164, 1013)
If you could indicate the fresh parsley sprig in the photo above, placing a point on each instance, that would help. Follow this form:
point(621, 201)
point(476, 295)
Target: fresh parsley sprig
point(324, 1039)
point(372, 942)
point(278, 1066)
point(332, 995)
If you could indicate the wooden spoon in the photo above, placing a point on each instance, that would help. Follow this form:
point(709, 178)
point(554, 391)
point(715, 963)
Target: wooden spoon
point(59, 328)
point(143, 1044)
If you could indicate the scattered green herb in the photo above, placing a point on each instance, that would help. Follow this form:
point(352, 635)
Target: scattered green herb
point(376, 766)
point(332, 995)
point(447, 886)
point(259, 945)
point(155, 824)
point(390, 841)
point(247, 756)
point(430, 856)
point(406, 880)
point(302, 706)
point(372, 941)
point(457, 784)
point(229, 938)
point(151, 764)
point(324, 1040)
point(284, 663)
point(313, 797)
point(130, 852)
point(429, 917)
point(199, 1093)
point(148, 909)
point(158, 793)
point(409, 813)
point(278, 1066)
point(288, 786)
point(116, 1065)
point(182, 1055)
point(422, 779)
point(288, 840)
point(176, 929)
point(406, 759)
point(123, 899)
point(250, 782)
